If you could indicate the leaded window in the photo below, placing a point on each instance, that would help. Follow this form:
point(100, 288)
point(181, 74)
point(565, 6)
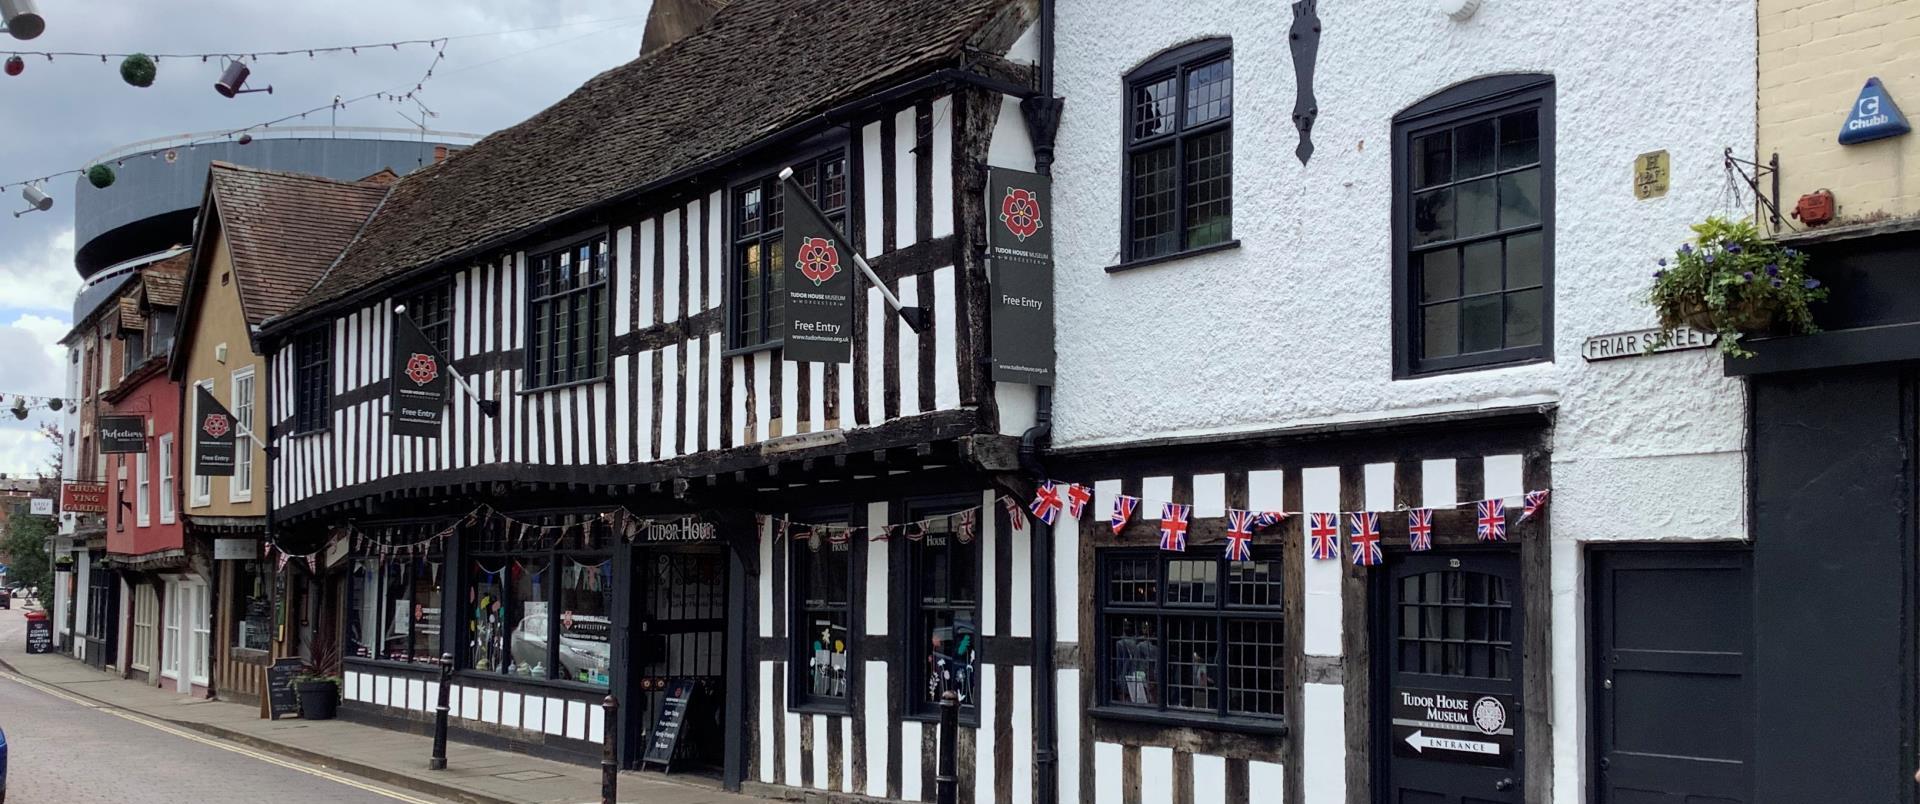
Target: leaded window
point(1456, 623)
point(758, 304)
point(1474, 226)
point(1178, 166)
point(1191, 634)
point(313, 379)
point(822, 558)
point(432, 311)
point(567, 307)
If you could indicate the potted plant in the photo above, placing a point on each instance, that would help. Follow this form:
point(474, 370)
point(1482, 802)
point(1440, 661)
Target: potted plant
point(319, 694)
point(1732, 282)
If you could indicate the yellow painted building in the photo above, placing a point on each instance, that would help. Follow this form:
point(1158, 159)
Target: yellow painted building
point(1814, 57)
point(216, 352)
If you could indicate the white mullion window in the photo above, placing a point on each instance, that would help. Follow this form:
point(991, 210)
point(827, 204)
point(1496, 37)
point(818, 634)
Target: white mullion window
point(202, 484)
point(166, 479)
point(201, 623)
point(142, 491)
point(170, 641)
point(240, 487)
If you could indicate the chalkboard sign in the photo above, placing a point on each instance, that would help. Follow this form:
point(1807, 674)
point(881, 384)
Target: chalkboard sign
point(39, 636)
point(668, 724)
point(281, 698)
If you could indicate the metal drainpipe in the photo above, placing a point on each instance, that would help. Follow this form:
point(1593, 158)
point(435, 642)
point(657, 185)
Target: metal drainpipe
point(1046, 738)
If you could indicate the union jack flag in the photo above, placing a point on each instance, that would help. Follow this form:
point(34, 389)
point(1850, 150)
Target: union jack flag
point(1364, 533)
point(1536, 500)
point(1122, 511)
point(1015, 516)
point(914, 531)
point(1240, 526)
point(1077, 497)
point(1173, 527)
point(1491, 516)
point(1046, 502)
point(1323, 531)
point(1267, 519)
point(1420, 529)
point(967, 520)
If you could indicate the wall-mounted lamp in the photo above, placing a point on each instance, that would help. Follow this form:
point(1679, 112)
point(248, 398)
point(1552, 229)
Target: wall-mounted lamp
point(20, 19)
point(37, 200)
point(233, 78)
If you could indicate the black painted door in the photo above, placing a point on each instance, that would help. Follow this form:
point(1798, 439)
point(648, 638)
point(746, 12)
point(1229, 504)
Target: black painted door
point(678, 632)
point(1672, 697)
point(1451, 650)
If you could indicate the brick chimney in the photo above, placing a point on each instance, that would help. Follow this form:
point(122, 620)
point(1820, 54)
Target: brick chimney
point(670, 21)
point(439, 154)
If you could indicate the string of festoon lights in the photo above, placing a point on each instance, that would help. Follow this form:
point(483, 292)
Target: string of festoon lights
point(23, 405)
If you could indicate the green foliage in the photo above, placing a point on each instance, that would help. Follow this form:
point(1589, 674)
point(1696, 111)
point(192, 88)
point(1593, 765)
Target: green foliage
point(100, 176)
point(1733, 282)
point(25, 544)
point(138, 70)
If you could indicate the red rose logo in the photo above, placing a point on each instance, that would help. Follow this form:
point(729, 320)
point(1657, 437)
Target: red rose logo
point(818, 259)
point(1020, 212)
point(216, 425)
point(422, 368)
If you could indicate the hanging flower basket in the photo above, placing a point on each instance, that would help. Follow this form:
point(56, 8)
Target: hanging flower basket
point(139, 70)
point(1732, 282)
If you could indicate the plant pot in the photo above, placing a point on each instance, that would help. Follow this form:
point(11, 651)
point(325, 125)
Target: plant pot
point(1749, 319)
point(317, 699)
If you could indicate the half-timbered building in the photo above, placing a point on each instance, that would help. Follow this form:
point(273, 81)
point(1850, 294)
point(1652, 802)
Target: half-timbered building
point(633, 491)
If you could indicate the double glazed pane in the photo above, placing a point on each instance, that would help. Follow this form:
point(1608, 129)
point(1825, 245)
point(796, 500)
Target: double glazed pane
point(1476, 229)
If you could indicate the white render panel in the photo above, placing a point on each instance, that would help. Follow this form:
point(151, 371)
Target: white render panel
point(1568, 589)
point(716, 367)
point(622, 280)
point(870, 179)
point(816, 397)
point(1210, 780)
point(469, 703)
point(1437, 480)
point(670, 260)
point(1320, 492)
point(622, 424)
point(596, 726)
point(790, 723)
point(1106, 773)
point(765, 735)
point(738, 376)
point(511, 709)
point(647, 234)
point(555, 716)
point(877, 578)
point(532, 713)
point(909, 292)
point(1068, 716)
point(1379, 489)
point(1323, 765)
point(877, 313)
point(983, 772)
point(989, 570)
point(1266, 775)
point(763, 396)
point(819, 752)
point(789, 397)
point(691, 404)
point(1154, 493)
point(1610, 463)
point(1022, 733)
point(576, 720)
point(1209, 495)
point(1156, 775)
point(716, 249)
point(905, 128)
point(1266, 490)
point(696, 268)
point(1020, 585)
point(946, 376)
point(766, 582)
point(669, 398)
point(643, 403)
point(846, 755)
point(350, 683)
point(1502, 475)
point(490, 706)
point(876, 714)
point(911, 738)
point(942, 156)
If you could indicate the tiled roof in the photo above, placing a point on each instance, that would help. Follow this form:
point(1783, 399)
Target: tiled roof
point(284, 229)
point(165, 279)
point(755, 68)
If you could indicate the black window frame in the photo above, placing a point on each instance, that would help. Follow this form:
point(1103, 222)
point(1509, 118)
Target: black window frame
point(410, 567)
point(763, 236)
point(567, 542)
point(1486, 98)
point(919, 510)
point(313, 380)
point(595, 338)
point(1221, 612)
point(1175, 64)
point(431, 308)
point(799, 559)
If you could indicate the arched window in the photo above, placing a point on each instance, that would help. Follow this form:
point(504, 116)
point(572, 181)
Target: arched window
point(1178, 166)
point(1473, 226)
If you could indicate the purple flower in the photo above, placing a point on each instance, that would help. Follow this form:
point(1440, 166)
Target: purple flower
point(1709, 257)
point(1811, 284)
point(1777, 282)
point(1792, 254)
point(1686, 248)
point(1746, 276)
point(1773, 269)
point(1659, 274)
point(1733, 248)
point(1663, 262)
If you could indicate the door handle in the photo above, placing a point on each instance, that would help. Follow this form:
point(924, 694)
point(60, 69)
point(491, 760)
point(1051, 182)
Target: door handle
point(1504, 784)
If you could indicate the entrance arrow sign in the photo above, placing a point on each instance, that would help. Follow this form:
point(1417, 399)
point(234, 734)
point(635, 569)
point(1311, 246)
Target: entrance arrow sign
point(1421, 741)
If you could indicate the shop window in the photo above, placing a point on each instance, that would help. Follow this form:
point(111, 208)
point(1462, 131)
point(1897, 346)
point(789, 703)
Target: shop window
point(758, 226)
point(822, 610)
point(1190, 636)
point(944, 584)
point(396, 609)
point(253, 593)
point(1178, 166)
point(521, 590)
point(567, 304)
point(1473, 226)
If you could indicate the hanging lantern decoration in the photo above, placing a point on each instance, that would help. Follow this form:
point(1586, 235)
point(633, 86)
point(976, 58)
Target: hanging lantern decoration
point(246, 139)
point(56, 402)
point(101, 177)
point(20, 408)
point(16, 65)
point(139, 70)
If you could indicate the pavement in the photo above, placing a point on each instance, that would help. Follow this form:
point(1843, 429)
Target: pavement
point(211, 752)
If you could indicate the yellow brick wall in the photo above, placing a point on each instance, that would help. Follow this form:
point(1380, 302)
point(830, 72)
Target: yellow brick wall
point(1815, 55)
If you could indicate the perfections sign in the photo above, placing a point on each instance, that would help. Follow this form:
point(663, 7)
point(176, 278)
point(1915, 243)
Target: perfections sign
point(1020, 243)
point(123, 434)
point(1645, 341)
point(212, 436)
point(83, 498)
point(1449, 726)
point(419, 384)
point(818, 274)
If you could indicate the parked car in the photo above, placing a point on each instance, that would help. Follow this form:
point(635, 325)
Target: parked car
point(6, 598)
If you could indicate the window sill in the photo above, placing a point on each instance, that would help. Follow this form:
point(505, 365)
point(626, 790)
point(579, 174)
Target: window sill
point(472, 677)
point(305, 433)
point(248, 653)
point(1272, 727)
point(1178, 255)
point(390, 664)
point(1495, 363)
point(820, 708)
point(969, 717)
point(756, 348)
point(559, 387)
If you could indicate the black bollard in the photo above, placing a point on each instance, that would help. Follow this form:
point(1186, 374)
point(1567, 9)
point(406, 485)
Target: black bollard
point(609, 765)
point(946, 780)
point(439, 760)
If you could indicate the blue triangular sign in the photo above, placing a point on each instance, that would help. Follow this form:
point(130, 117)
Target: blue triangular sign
point(1874, 116)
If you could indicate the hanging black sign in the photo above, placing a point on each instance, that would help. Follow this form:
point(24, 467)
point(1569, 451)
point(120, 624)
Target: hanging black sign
point(668, 723)
point(419, 385)
point(1472, 728)
point(123, 434)
point(818, 273)
point(213, 436)
point(1020, 242)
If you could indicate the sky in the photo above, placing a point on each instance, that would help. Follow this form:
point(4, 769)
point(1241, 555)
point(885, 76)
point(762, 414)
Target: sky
point(57, 115)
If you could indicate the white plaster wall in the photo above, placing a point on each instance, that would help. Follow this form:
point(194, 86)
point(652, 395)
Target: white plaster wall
point(1294, 327)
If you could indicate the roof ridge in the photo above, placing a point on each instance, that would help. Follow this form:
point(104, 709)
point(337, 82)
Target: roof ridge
point(289, 174)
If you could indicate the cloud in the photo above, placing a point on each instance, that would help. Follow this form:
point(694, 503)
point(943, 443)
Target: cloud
point(24, 452)
point(40, 277)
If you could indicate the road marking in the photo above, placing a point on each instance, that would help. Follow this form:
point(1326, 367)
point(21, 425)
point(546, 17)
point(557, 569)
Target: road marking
point(205, 740)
